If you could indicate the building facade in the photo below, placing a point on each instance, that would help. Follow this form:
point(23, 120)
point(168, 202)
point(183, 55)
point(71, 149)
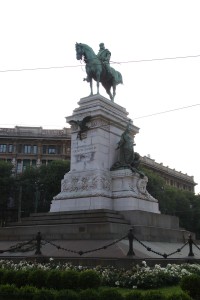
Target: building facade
point(172, 177)
point(34, 146)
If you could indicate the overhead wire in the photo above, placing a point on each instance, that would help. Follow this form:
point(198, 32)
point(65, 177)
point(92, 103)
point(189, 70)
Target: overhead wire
point(111, 62)
point(166, 111)
point(150, 115)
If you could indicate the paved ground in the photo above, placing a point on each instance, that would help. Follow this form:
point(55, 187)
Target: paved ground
point(99, 249)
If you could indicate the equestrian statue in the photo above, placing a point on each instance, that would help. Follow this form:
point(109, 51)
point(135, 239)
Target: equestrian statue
point(98, 68)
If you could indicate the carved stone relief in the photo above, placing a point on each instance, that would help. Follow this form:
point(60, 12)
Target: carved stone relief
point(86, 183)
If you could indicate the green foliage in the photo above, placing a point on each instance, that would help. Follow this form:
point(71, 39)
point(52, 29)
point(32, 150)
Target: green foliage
point(40, 185)
point(154, 295)
point(172, 201)
point(134, 295)
point(44, 294)
point(50, 179)
point(70, 279)
point(37, 278)
point(5, 169)
point(8, 277)
point(21, 278)
point(27, 292)
point(6, 187)
point(89, 279)
point(53, 279)
point(155, 185)
point(89, 294)
point(179, 296)
point(111, 293)
point(28, 180)
point(1, 275)
point(191, 285)
point(8, 292)
point(66, 295)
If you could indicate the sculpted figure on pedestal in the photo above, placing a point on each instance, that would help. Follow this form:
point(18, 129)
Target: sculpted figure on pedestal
point(128, 159)
point(98, 68)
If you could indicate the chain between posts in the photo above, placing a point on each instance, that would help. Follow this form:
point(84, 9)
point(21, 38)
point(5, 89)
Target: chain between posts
point(87, 251)
point(131, 237)
point(37, 243)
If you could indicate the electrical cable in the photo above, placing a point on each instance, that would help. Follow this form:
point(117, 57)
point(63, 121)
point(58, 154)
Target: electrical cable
point(111, 62)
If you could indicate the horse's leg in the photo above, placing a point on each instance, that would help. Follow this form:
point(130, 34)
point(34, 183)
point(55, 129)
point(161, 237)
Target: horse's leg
point(98, 80)
point(91, 87)
point(114, 92)
point(109, 93)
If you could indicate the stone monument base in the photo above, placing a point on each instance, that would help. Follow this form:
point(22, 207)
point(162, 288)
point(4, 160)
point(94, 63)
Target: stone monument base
point(97, 178)
point(115, 190)
point(99, 224)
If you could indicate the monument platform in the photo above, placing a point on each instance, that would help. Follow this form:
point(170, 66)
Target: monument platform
point(91, 183)
point(98, 201)
point(100, 224)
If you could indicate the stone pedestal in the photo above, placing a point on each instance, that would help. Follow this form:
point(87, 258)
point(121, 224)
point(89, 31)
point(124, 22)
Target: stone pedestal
point(129, 192)
point(90, 184)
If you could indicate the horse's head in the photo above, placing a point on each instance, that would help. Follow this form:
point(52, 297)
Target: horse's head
point(84, 51)
point(79, 51)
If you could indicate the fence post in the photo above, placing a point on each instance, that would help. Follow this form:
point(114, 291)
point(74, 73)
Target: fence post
point(130, 238)
point(38, 244)
point(190, 242)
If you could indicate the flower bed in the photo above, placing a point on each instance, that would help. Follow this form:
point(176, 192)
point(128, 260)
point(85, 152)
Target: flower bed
point(142, 276)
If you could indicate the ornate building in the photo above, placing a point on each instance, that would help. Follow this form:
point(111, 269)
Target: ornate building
point(171, 176)
point(34, 146)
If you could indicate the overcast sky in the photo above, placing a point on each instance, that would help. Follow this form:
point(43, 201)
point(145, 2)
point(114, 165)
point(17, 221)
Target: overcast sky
point(155, 44)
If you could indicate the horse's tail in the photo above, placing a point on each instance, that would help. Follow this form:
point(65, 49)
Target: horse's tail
point(118, 77)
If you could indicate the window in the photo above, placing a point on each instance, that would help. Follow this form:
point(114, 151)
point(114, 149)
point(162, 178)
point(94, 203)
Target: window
point(26, 163)
point(19, 166)
point(19, 147)
point(44, 149)
point(33, 163)
point(58, 149)
point(27, 149)
point(10, 148)
point(35, 149)
point(51, 150)
point(3, 148)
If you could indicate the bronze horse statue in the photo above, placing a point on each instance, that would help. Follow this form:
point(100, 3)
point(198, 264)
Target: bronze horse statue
point(97, 71)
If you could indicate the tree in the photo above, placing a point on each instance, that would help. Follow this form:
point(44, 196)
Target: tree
point(156, 183)
point(6, 190)
point(50, 177)
point(172, 201)
point(28, 182)
point(40, 185)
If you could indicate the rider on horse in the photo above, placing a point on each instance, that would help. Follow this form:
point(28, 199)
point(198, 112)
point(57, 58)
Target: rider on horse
point(104, 56)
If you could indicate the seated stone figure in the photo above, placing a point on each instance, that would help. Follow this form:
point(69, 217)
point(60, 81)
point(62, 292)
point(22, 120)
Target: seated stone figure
point(128, 159)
